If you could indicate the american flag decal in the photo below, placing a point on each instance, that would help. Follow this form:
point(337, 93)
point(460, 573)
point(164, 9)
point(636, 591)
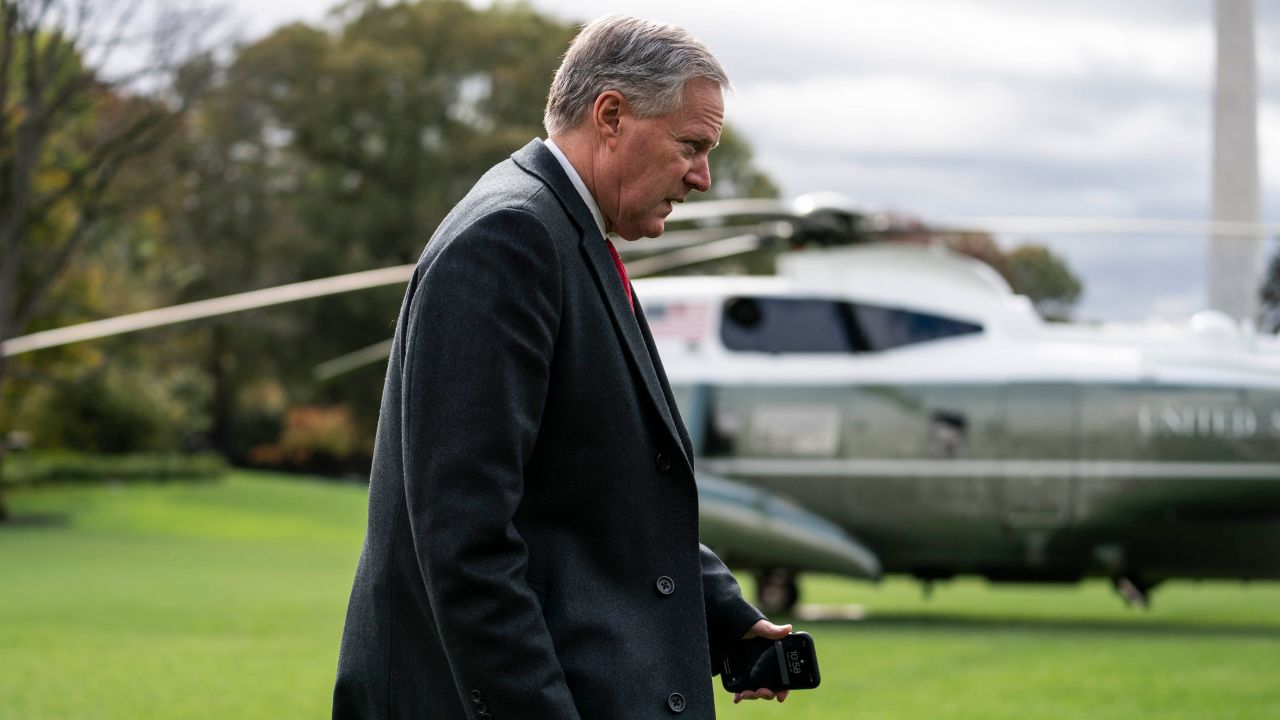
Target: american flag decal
point(678, 320)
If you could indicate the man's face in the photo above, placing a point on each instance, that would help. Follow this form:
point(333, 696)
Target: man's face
point(657, 161)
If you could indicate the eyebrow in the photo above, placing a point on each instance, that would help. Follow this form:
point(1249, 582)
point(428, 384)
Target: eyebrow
point(704, 141)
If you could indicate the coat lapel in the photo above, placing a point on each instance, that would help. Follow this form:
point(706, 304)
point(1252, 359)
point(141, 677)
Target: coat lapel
point(627, 325)
point(537, 159)
point(685, 441)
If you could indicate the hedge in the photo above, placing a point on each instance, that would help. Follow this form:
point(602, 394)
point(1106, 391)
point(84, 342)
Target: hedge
point(32, 468)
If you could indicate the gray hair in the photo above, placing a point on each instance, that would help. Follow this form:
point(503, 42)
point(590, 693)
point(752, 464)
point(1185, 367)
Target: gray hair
point(648, 62)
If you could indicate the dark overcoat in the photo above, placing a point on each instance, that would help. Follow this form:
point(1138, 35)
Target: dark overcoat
point(532, 549)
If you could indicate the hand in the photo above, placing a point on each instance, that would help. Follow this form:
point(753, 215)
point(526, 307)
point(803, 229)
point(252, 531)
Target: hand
point(764, 628)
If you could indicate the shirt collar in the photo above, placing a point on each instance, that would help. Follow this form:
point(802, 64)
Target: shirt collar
point(578, 185)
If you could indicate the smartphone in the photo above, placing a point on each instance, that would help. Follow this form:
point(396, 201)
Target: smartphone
point(786, 664)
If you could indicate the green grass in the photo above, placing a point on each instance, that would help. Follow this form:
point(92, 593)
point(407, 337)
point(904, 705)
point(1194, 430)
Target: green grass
point(201, 600)
point(981, 651)
point(226, 600)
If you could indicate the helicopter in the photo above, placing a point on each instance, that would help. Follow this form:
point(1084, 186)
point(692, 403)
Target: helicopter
point(883, 409)
point(896, 410)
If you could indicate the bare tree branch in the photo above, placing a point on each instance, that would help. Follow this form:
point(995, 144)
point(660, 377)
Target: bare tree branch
point(56, 71)
point(53, 56)
point(10, 220)
point(125, 143)
point(31, 74)
point(89, 214)
point(60, 95)
point(8, 21)
point(42, 8)
point(30, 142)
point(116, 37)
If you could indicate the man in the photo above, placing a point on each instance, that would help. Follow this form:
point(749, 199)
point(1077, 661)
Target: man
point(532, 549)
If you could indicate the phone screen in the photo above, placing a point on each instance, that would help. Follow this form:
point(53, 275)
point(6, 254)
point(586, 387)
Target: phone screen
point(786, 664)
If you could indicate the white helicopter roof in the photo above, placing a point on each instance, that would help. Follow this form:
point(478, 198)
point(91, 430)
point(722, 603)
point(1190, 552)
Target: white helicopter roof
point(1014, 345)
point(923, 278)
point(935, 277)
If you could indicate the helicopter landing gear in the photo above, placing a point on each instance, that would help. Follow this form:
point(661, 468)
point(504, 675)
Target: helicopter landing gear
point(777, 591)
point(1135, 591)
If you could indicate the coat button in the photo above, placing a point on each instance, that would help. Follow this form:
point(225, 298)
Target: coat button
point(476, 696)
point(666, 585)
point(664, 463)
point(676, 703)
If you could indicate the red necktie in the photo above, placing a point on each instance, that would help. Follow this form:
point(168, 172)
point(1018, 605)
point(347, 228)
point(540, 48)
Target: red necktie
point(622, 273)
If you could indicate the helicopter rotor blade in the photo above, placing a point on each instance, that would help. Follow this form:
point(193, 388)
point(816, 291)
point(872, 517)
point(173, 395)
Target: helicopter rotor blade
point(1031, 225)
point(692, 255)
point(678, 239)
point(696, 255)
point(1101, 226)
point(716, 209)
point(207, 308)
point(355, 360)
point(679, 248)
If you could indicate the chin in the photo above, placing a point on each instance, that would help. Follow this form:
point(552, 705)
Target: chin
point(655, 229)
point(647, 231)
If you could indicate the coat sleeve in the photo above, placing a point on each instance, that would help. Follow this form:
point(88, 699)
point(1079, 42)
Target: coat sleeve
point(729, 616)
point(481, 332)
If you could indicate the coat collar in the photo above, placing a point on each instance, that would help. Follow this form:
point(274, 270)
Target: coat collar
point(537, 160)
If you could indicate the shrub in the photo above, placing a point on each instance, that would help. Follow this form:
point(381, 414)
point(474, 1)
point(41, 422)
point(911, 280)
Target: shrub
point(31, 468)
point(315, 439)
point(117, 409)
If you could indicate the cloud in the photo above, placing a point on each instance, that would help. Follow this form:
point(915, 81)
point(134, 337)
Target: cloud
point(1035, 148)
point(988, 107)
point(1135, 278)
point(1030, 40)
point(876, 114)
point(891, 114)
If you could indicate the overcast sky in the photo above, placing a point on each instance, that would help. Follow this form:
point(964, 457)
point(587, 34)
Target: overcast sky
point(944, 108)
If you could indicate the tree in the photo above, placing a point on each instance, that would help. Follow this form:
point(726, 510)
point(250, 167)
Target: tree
point(329, 150)
point(1045, 278)
point(68, 126)
point(322, 151)
point(314, 151)
point(980, 246)
point(1269, 313)
point(1030, 269)
point(733, 171)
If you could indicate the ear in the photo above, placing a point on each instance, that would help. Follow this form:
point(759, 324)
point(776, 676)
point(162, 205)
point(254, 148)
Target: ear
point(606, 115)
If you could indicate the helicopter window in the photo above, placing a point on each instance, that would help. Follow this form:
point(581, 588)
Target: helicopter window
point(779, 325)
point(799, 325)
point(884, 328)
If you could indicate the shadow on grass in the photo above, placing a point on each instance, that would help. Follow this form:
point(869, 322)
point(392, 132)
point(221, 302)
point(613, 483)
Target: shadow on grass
point(956, 623)
point(27, 520)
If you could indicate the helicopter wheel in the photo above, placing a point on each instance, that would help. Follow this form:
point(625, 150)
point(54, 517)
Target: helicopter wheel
point(777, 591)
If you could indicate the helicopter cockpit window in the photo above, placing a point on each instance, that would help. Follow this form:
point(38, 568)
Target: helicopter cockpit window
point(800, 325)
point(885, 328)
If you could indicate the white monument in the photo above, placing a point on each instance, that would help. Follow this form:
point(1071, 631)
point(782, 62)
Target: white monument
point(1235, 261)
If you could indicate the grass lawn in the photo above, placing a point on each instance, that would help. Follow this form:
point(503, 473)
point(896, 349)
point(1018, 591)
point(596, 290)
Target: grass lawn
point(226, 599)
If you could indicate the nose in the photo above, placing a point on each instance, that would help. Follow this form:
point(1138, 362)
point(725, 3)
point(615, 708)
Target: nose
point(699, 175)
